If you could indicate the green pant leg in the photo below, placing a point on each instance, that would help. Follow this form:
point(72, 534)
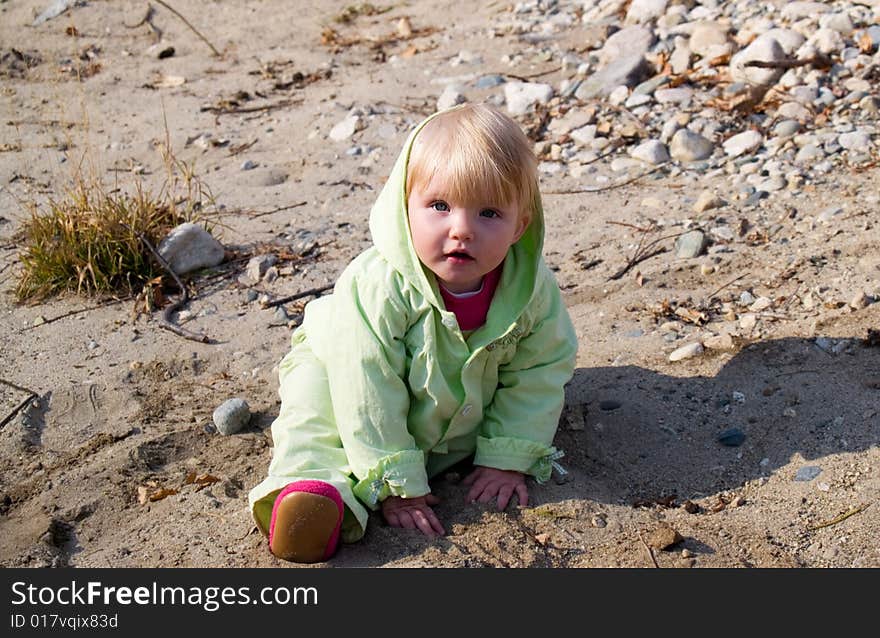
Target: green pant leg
point(306, 442)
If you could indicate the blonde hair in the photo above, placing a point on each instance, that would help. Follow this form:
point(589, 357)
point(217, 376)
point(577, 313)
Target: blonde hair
point(479, 154)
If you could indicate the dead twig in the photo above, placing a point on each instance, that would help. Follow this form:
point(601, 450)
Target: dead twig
point(819, 60)
point(599, 189)
point(235, 150)
point(257, 214)
point(633, 226)
point(76, 312)
point(732, 281)
point(166, 322)
point(299, 295)
point(187, 23)
point(650, 551)
point(220, 110)
point(30, 396)
point(642, 254)
point(842, 517)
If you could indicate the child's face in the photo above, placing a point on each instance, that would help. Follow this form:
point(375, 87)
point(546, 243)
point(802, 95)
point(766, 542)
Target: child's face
point(460, 243)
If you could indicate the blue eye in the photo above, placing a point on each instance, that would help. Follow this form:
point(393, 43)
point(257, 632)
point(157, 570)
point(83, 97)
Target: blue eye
point(488, 213)
point(441, 207)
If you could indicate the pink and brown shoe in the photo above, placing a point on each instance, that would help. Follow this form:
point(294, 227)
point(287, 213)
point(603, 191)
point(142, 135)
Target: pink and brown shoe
point(306, 520)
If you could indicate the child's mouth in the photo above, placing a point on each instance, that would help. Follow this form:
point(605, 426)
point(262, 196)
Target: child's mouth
point(458, 256)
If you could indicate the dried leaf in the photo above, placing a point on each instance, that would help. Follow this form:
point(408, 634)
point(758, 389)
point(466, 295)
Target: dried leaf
point(404, 28)
point(640, 279)
point(161, 493)
point(202, 480)
point(866, 44)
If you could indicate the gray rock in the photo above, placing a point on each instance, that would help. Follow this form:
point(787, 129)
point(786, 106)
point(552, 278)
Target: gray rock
point(652, 152)
point(709, 40)
point(771, 185)
point(649, 86)
point(807, 473)
point(584, 135)
point(489, 81)
point(248, 165)
point(855, 141)
point(788, 39)
point(54, 10)
point(786, 128)
point(522, 96)
point(645, 10)
point(793, 11)
point(691, 244)
point(189, 247)
point(451, 96)
point(744, 142)
point(687, 146)
point(345, 129)
point(679, 95)
point(626, 71)
point(763, 49)
point(257, 266)
point(634, 41)
point(808, 154)
point(279, 317)
point(231, 416)
point(686, 351)
point(828, 214)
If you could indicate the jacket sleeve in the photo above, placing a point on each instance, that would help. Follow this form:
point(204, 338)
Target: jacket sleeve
point(365, 357)
point(521, 420)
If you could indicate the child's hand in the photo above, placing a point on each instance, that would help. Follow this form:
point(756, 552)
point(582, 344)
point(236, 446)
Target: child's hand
point(489, 483)
point(413, 513)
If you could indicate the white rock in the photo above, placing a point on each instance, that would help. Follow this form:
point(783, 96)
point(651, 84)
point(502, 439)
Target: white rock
point(686, 351)
point(742, 143)
point(828, 214)
point(345, 129)
point(652, 152)
point(763, 49)
point(825, 41)
point(861, 300)
point(789, 39)
point(645, 10)
point(678, 95)
point(189, 247)
point(761, 303)
point(687, 146)
point(855, 141)
point(707, 201)
point(629, 41)
point(839, 22)
point(522, 96)
point(748, 321)
point(584, 135)
point(451, 96)
point(709, 40)
point(793, 11)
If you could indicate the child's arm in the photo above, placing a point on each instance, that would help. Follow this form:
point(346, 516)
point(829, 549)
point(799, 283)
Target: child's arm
point(520, 422)
point(365, 357)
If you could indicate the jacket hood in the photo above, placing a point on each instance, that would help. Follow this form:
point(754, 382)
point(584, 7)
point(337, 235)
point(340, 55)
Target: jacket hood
point(389, 227)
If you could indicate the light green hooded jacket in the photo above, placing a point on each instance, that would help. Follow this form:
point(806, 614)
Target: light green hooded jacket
point(408, 394)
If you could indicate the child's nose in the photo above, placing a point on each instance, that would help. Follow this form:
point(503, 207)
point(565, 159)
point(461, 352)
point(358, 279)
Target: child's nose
point(461, 227)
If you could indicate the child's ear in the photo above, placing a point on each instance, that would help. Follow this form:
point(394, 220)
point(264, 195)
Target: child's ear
point(523, 223)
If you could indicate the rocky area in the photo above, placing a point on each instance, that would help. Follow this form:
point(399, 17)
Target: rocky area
point(709, 174)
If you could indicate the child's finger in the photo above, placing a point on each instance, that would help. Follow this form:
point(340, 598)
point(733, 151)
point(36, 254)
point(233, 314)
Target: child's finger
point(470, 478)
point(430, 499)
point(522, 493)
point(504, 495)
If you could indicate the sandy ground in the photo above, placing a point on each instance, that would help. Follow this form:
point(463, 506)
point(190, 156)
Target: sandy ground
point(123, 404)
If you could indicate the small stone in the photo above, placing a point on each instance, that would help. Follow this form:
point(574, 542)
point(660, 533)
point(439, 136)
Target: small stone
point(707, 201)
point(609, 405)
point(690, 507)
point(345, 129)
point(451, 96)
point(787, 128)
point(748, 321)
point(92, 345)
point(861, 300)
point(520, 97)
point(807, 473)
point(732, 437)
point(687, 351)
point(738, 501)
point(687, 146)
point(598, 521)
point(762, 49)
point(707, 269)
point(251, 295)
point(719, 342)
point(663, 537)
point(231, 416)
point(686, 553)
point(257, 266)
point(627, 70)
point(189, 247)
point(279, 317)
point(143, 494)
point(653, 152)
point(742, 143)
point(828, 214)
point(489, 81)
point(855, 141)
point(248, 165)
point(709, 40)
point(761, 303)
point(691, 244)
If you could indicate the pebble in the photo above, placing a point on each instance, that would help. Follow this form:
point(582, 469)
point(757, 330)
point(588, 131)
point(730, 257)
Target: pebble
point(807, 473)
point(690, 244)
point(828, 214)
point(719, 342)
point(248, 165)
point(451, 96)
point(748, 321)
point(860, 301)
point(345, 128)
point(257, 266)
point(686, 351)
point(653, 152)
point(762, 49)
point(521, 97)
point(231, 416)
point(627, 70)
point(687, 146)
point(761, 303)
point(189, 247)
point(855, 141)
point(707, 201)
point(732, 437)
point(663, 537)
point(741, 143)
